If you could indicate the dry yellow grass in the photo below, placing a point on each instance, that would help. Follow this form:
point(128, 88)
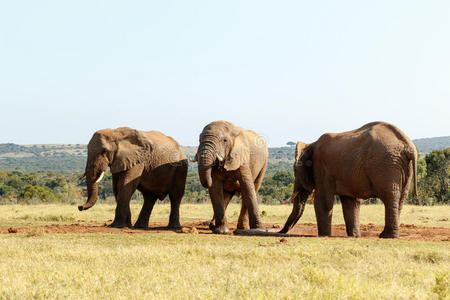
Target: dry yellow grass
point(15, 215)
point(189, 266)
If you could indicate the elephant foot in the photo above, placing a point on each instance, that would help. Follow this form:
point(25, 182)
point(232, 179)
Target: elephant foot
point(243, 227)
point(140, 225)
point(174, 226)
point(221, 230)
point(119, 225)
point(388, 234)
point(324, 230)
point(324, 233)
point(257, 226)
point(211, 225)
point(353, 232)
point(355, 235)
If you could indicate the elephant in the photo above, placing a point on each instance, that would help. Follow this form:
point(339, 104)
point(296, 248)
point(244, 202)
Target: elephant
point(148, 161)
point(232, 160)
point(374, 161)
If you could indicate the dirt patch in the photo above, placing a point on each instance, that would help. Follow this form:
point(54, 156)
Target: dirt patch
point(407, 231)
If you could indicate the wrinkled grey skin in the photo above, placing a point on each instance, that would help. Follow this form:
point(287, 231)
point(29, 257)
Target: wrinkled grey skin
point(374, 161)
point(150, 162)
point(232, 160)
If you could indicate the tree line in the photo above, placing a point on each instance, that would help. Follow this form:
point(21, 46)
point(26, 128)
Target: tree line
point(52, 187)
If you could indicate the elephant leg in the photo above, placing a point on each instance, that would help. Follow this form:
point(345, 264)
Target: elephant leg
point(243, 221)
point(323, 207)
point(122, 216)
point(126, 184)
point(144, 215)
point(259, 178)
point(218, 203)
point(350, 208)
point(212, 223)
point(227, 196)
point(391, 208)
point(174, 218)
point(176, 195)
point(249, 197)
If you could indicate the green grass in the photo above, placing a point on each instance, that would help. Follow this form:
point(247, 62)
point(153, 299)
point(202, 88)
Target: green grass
point(204, 266)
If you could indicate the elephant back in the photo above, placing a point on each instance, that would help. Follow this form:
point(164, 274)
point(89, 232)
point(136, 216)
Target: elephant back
point(165, 149)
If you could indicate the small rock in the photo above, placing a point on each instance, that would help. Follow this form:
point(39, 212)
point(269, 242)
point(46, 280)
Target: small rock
point(183, 230)
point(283, 241)
point(276, 226)
point(35, 233)
point(12, 230)
point(192, 230)
point(205, 223)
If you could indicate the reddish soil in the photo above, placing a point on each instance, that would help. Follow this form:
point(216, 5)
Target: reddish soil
point(407, 232)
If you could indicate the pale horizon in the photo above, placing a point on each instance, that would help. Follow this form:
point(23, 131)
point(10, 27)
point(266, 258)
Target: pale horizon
point(288, 70)
point(270, 146)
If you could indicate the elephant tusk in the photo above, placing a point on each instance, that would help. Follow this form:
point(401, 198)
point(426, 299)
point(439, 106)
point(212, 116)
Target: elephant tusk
point(220, 158)
point(295, 194)
point(312, 197)
point(100, 178)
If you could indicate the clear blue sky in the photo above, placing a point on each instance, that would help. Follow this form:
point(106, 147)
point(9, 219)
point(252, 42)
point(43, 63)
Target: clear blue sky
point(290, 70)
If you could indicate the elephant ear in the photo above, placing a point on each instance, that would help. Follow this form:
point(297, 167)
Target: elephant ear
point(298, 150)
point(239, 155)
point(133, 148)
point(304, 164)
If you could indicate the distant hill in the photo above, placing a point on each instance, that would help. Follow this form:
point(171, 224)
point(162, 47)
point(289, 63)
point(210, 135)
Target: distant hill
point(427, 145)
point(70, 158)
point(66, 158)
point(44, 150)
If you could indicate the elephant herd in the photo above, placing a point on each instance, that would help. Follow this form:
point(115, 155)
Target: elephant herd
point(375, 160)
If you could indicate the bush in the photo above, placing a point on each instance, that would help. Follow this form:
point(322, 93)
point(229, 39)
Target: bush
point(277, 186)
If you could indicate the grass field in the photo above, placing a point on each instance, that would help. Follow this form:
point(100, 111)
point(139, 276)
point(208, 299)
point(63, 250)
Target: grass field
point(17, 215)
point(184, 266)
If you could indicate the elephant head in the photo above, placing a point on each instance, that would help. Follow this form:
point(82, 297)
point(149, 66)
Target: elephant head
point(220, 142)
point(304, 183)
point(120, 149)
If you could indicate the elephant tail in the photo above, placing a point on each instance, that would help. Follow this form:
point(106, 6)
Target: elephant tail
point(412, 157)
point(415, 174)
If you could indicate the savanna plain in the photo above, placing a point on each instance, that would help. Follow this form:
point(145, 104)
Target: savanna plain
point(54, 251)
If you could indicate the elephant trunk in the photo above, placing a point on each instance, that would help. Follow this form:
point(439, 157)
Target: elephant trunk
point(206, 158)
point(92, 187)
point(300, 198)
point(205, 176)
